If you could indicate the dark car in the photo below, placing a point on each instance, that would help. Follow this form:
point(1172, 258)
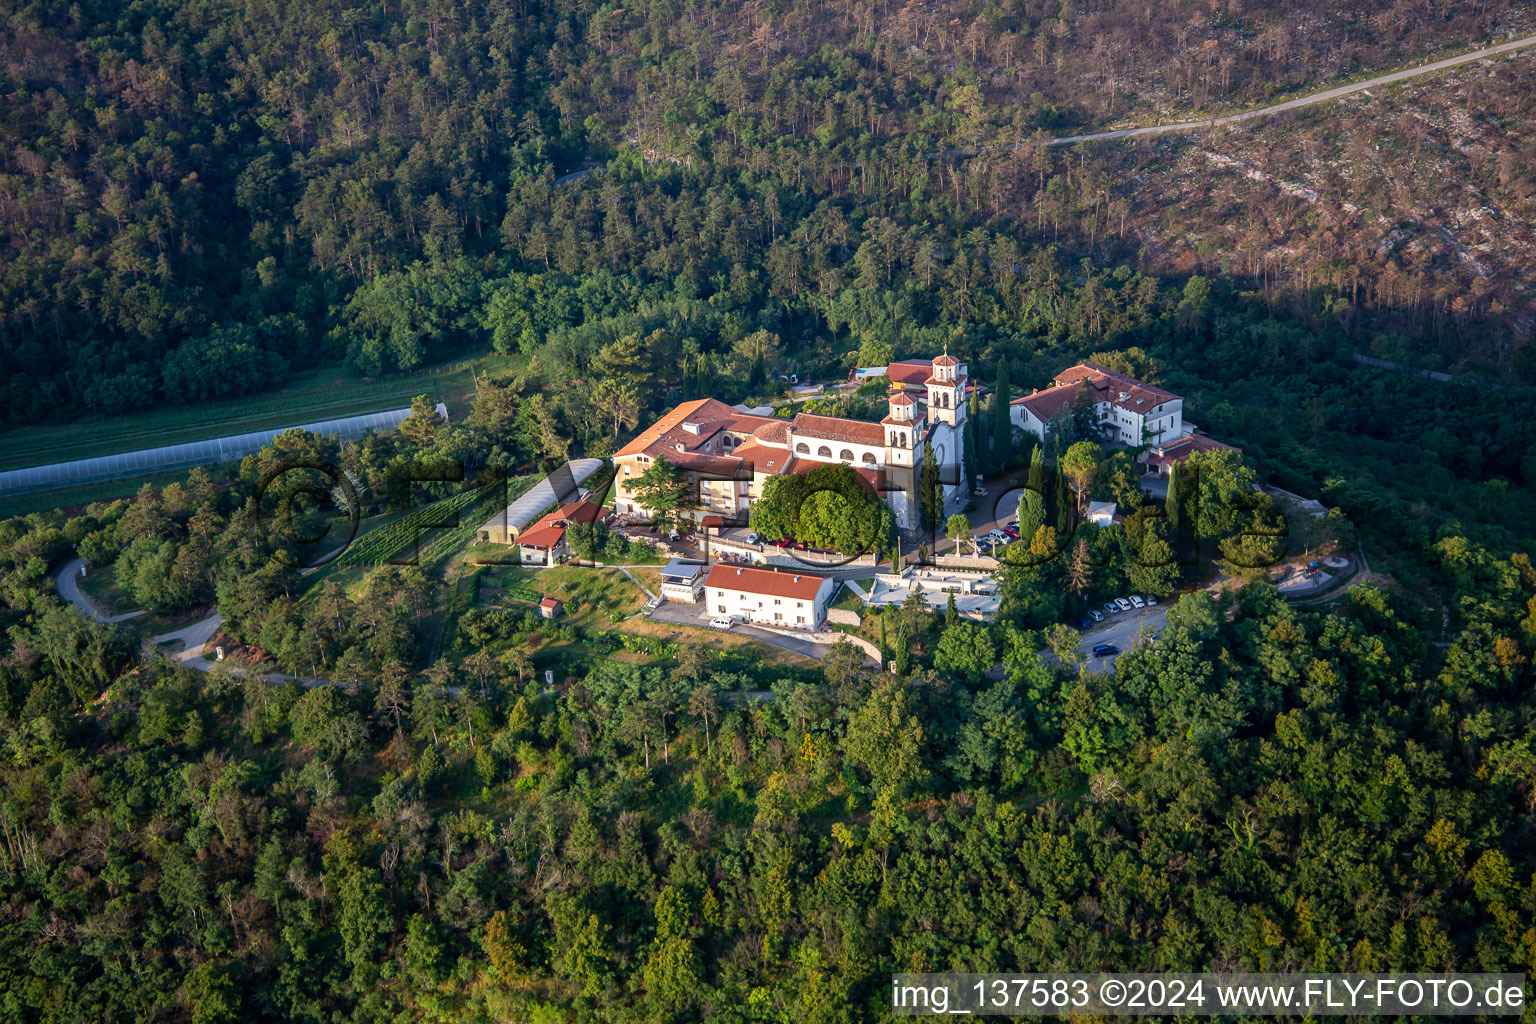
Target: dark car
point(1083, 622)
point(1105, 650)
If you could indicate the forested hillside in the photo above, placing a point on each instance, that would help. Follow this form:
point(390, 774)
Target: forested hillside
point(656, 839)
point(197, 199)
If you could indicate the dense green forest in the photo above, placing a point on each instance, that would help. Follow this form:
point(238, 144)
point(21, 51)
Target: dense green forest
point(198, 201)
point(688, 834)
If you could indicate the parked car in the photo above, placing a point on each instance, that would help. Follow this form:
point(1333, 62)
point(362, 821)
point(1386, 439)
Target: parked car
point(722, 622)
point(1151, 600)
point(1105, 650)
point(1084, 623)
point(1125, 605)
point(1137, 602)
point(1096, 615)
point(1111, 607)
point(1012, 531)
point(753, 538)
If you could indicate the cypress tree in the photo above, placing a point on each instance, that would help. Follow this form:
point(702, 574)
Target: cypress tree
point(1037, 470)
point(1171, 502)
point(901, 658)
point(930, 490)
point(1061, 499)
point(1002, 423)
point(969, 441)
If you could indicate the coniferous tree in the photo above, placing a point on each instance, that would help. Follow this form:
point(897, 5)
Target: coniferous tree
point(969, 440)
point(1061, 500)
point(1037, 476)
point(930, 490)
point(1002, 423)
point(901, 658)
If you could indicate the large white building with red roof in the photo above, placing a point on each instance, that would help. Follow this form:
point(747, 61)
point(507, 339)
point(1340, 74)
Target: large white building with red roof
point(777, 597)
point(730, 455)
point(1127, 412)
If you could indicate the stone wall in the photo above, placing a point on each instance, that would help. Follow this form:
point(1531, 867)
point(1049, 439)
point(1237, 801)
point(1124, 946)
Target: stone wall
point(984, 563)
point(843, 616)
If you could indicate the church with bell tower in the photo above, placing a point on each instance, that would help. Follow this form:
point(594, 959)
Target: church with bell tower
point(731, 453)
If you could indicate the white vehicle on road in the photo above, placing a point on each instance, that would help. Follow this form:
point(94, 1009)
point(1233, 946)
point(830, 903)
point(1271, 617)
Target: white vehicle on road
point(1137, 602)
point(1111, 607)
point(1125, 605)
point(1095, 615)
point(722, 622)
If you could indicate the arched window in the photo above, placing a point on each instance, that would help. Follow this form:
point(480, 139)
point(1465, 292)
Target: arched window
point(803, 448)
point(904, 443)
point(869, 459)
point(845, 455)
point(895, 439)
point(824, 452)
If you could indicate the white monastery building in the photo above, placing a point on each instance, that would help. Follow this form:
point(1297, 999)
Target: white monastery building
point(1128, 412)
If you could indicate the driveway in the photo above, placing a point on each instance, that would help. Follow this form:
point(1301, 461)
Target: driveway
point(1124, 630)
point(192, 638)
point(697, 616)
point(68, 582)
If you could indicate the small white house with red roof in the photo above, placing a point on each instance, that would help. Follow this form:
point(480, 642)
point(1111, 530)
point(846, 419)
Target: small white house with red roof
point(544, 541)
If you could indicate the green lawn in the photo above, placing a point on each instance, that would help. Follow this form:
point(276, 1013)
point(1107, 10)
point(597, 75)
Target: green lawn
point(313, 395)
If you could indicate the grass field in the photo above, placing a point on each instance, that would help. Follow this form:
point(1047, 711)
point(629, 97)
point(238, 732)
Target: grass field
point(314, 395)
point(38, 501)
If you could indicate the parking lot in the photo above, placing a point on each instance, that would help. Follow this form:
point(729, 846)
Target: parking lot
point(1125, 630)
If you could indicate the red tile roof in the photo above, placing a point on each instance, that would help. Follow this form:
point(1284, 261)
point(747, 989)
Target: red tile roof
point(707, 415)
point(775, 432)
point(1184, 447)
point(836, 428)
point(764, 459)
point(909, 371)
point(1107, 386)
point(799, 586)
point(549, 531)
point(542, 536)
point(1046, 404)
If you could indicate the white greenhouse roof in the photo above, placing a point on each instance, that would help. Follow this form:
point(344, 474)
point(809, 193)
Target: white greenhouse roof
point(562, 486)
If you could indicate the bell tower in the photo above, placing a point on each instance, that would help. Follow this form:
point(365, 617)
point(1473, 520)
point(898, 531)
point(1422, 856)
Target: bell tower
point(904, 429)
point(946, 392)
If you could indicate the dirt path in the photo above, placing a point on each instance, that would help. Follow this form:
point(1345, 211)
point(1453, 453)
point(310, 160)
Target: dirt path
point(1275, 108)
